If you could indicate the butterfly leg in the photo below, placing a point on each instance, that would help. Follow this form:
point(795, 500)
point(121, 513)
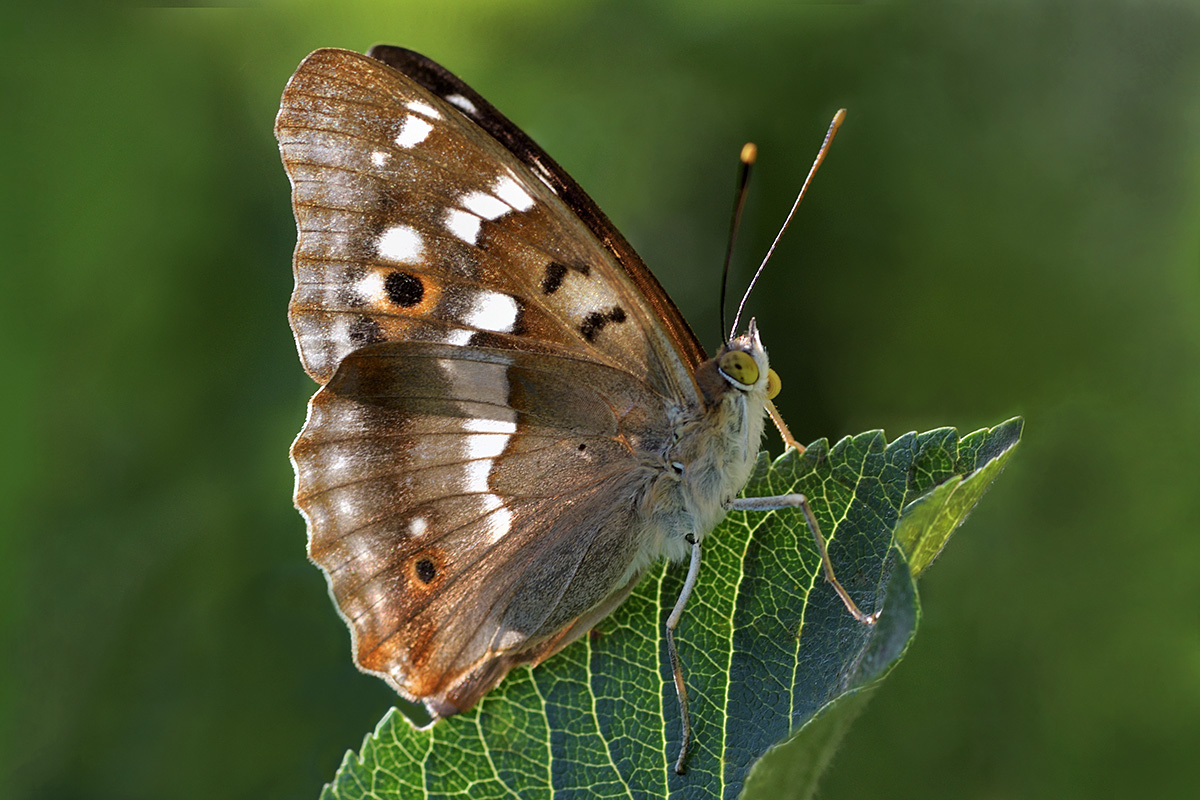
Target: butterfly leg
point(801, 502)
point(685, 739)
point(781, 426)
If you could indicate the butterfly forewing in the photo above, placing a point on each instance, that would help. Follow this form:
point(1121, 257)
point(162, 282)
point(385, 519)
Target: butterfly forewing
point(499, 374)
point(442, 83)
point(417, 224)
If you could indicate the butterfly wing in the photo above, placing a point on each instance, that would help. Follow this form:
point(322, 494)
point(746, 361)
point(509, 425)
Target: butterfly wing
point(440, 81)
point(498, 370)
point(469, 505)
point(416, 223)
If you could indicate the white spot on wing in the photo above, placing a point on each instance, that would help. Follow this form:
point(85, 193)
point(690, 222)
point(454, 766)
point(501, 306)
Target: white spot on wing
point(499, 518)
point(476, 480)
point(484, 205)
point(413, 131)
point(341, 329)
point(487, 425)
point(511, 192)
point(379, 158)
point(418, 526)
point(463, 225)
point(499, 523)
point(491, 437)
point(401, 244)
point(493, 311)
point(421, 107)
point(486, 436)
point(463, 103)
point(370, 288)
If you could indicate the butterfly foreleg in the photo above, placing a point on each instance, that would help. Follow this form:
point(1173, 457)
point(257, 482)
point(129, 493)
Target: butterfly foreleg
point(685, 739)
point(781, 426)
point(800, 501)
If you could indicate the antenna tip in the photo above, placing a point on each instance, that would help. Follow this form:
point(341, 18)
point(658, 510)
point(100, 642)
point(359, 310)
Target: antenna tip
point(839, 117)
point(749, 153)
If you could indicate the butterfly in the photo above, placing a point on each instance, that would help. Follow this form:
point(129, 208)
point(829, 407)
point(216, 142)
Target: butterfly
point(514, 421)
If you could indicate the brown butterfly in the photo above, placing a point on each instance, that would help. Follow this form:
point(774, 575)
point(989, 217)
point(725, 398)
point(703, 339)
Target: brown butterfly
point(514, 420)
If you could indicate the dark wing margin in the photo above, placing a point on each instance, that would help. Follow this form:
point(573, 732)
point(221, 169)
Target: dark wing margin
point(445, 84)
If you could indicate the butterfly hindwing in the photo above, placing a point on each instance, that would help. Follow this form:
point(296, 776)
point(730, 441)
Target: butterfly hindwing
point(463, 520)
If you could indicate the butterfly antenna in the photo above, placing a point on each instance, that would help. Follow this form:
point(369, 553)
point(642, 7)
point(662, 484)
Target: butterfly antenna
point(747, 157)
point(838, 118)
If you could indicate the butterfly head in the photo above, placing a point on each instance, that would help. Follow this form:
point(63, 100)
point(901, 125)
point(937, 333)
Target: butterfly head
point(744, 366)
point(740, 366)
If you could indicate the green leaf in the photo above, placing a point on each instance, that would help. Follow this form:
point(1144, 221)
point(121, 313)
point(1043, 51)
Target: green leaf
point(960, 472)
point(768, 649)
point(931, 518)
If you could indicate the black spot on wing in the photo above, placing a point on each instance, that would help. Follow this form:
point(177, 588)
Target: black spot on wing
point(403, 289)
point(596, 321)
point(593, 323)
point(555, 272)
point(426, 570)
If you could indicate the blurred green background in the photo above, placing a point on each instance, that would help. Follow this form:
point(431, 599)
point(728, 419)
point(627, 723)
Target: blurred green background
point(1007, 224)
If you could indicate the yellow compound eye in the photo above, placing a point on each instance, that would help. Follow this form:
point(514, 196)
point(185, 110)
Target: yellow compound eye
point(740, 366)
point(773, 384)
